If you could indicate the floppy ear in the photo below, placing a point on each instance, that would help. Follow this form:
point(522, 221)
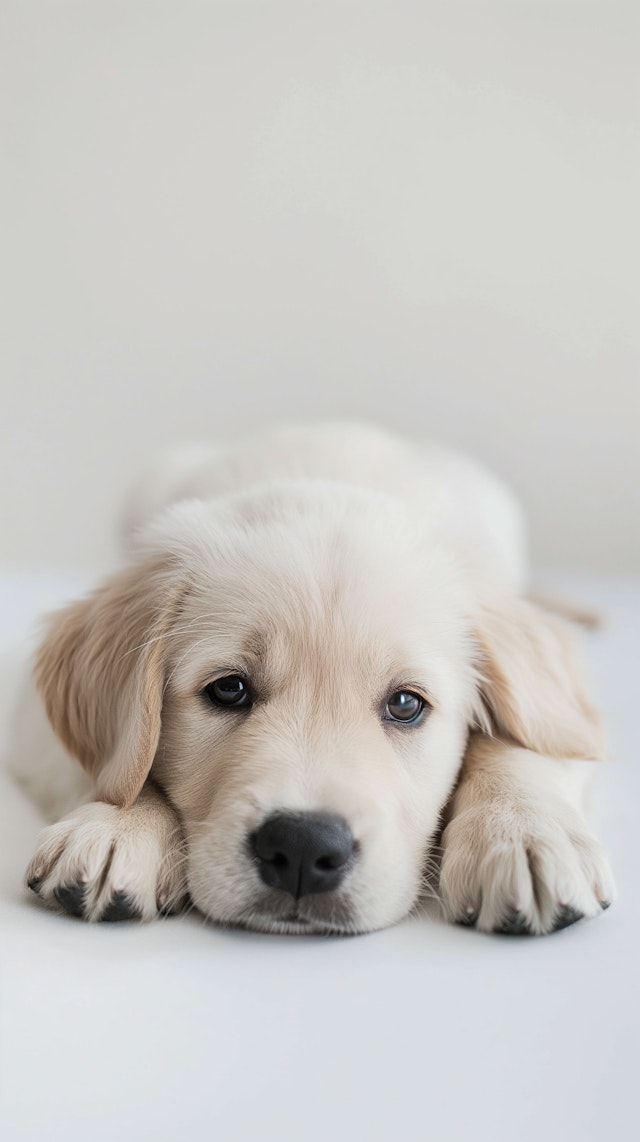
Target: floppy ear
point(101, 673)
point(533, 683)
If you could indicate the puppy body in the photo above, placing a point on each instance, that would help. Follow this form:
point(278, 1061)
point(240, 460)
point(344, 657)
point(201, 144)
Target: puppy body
point(331, 569)
point(448, 497)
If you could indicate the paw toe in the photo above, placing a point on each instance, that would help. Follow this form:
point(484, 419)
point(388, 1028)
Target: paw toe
point(72, 898)
point(467, 919)
point(120, 907)
point(515, 923)
point(565, 916)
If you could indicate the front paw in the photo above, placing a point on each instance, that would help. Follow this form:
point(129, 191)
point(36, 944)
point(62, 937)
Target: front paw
point(522, 869)
point(105, 863)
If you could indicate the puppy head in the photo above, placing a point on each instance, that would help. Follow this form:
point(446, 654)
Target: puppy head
point(299, 669)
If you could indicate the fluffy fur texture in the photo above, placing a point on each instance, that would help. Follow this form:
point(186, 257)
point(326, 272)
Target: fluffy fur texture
point(331, 567)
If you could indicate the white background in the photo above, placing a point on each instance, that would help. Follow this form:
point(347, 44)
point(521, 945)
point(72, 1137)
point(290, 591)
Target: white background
point(219, 213)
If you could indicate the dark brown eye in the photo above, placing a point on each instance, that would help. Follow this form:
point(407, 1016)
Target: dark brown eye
point(232, 691)
point(404, 706)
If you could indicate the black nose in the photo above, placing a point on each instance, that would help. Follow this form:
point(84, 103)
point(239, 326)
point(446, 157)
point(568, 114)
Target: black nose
point(303, 852)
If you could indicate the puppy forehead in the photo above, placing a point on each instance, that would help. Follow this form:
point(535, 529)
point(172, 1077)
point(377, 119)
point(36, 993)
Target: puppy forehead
point(360, 594)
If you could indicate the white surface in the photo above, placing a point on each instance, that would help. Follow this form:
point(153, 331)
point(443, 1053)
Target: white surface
point(418, 212)
point(177, 1030)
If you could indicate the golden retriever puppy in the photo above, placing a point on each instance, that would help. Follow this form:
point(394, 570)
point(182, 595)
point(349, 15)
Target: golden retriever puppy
point(317, 656)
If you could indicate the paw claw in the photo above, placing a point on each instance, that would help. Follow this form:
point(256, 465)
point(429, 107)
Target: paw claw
point(565, 916)
point(120, 907)
point(468, 919)
point(72, 898)
point(514, 924)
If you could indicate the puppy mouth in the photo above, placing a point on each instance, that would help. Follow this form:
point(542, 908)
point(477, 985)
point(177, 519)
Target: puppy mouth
point(275, 913)
point(294, 918)
point(292, 926)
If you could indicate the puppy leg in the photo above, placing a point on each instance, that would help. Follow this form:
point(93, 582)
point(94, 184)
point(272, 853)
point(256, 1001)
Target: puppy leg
point(105, 863)
point(518, 855)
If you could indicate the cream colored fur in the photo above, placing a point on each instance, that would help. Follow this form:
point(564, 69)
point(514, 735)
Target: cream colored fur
point(331, 566)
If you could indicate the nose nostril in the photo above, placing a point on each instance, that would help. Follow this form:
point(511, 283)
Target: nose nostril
point(329, 863)
point(279, 860)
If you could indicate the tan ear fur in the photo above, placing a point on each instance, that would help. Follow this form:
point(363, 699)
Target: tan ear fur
point(101, 673)
point(533, 681)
